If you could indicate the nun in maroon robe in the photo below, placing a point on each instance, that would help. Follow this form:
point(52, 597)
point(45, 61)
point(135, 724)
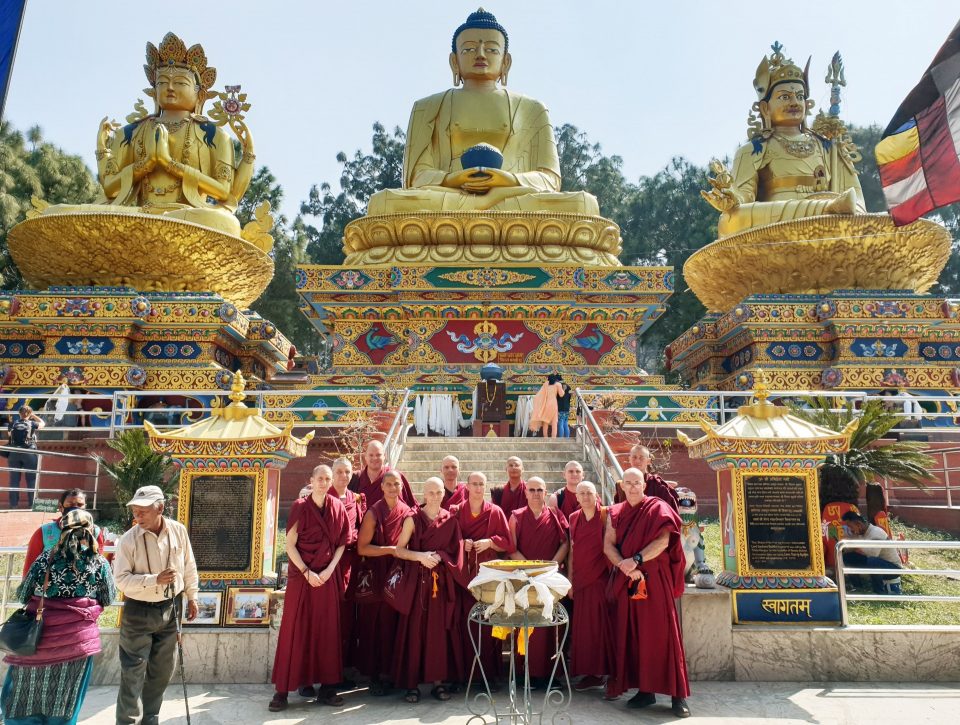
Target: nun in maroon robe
point(369, 480)
point(486, 536)
point(539, 532)
point(643, 534)
point(317, 532)
point(590, 645)
point(428, 645)
point(376, 619)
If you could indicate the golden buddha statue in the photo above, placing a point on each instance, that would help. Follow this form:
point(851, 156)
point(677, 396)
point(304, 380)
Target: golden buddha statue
point(170, 187)
point(785, 171)
point(446, 125)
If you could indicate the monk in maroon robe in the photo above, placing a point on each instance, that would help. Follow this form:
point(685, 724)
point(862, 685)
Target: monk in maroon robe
point(539, 532)
point(486, 535)
point(377, 545)
point(428, 645)
point(640, 457)
point(589, 571)
point(369, 480)
point(355, 506)
point(454, 490)
point(513, 494)
point(565, 500)
point(642, 540)
point(317, 532)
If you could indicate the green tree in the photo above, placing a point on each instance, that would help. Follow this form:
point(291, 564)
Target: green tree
point(361, 177)
point(43, 171)
point(139, 465)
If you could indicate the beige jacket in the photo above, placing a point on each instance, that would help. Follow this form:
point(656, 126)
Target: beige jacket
point(141, 555)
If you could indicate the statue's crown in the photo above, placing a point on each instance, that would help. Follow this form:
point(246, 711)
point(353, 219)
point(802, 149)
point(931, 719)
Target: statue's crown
point(778, 69)
point(481, 19)
point(174, 52)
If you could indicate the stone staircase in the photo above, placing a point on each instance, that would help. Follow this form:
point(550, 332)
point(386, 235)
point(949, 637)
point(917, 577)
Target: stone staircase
point(544, 457)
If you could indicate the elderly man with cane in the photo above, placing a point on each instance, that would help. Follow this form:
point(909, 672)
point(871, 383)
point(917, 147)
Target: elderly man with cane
point(155, 569)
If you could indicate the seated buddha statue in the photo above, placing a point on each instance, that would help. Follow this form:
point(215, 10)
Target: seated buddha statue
point(175, 162)
point(785, 171)
point(444, 126)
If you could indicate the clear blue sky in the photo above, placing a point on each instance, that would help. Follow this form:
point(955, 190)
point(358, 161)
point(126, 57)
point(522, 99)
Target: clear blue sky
point(646, 80)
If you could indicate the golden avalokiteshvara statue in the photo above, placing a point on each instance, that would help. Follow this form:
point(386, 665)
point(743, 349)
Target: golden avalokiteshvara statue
point(479, 147)
point(792, 213)
point(170, 187)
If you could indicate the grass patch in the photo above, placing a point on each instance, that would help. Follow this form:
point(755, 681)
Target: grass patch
point(890, 612)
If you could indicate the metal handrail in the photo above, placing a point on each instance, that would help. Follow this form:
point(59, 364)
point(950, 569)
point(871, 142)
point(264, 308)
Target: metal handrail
point(40, 473)
point(393, 449)
point(601, 458)
point(842, 571)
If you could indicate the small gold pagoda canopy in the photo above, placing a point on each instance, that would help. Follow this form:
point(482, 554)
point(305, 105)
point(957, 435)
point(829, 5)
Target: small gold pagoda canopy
point(762, 430)
point(234, 431)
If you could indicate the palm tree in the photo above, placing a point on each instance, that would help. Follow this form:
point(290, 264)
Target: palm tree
point(842, 475)
point(138, 466)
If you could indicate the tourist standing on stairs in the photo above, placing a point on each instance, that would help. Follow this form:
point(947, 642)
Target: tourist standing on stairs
point(317, 534)
point(544, 413)
point(22, 436)
point(513, 494)
point(369, 480)
point(454, 490)
point(563, 409)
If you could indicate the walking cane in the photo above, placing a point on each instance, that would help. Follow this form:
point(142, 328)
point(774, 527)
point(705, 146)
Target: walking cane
point(183, 676)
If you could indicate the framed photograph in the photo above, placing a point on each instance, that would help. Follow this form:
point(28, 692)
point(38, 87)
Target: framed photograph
point(248, 606)
point(210, 605)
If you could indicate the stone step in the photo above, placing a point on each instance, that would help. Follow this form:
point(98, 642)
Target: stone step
point(486, 458)
point(492, 443)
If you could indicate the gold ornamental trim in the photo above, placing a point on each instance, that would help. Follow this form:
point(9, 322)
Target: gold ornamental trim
point(148, 253)
point(818, 255)
point(488, 237)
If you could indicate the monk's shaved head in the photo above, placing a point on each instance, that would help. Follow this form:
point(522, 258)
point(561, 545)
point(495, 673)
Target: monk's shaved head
point(432, 483)
point(586, 486)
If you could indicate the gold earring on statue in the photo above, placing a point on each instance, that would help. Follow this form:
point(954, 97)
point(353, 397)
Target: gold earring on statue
point(503, 78)
point(457, 80)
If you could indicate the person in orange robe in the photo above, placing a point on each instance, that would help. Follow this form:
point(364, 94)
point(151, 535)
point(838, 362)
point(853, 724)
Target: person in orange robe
point(370, 477)
point(428, 645)
point(545, 412)
point(642, 540)
point(317, 532)
point(355, 506)
point(539, 532)
point(377, 545)
point(513, 494)
point(589, 571)
point(486, 535)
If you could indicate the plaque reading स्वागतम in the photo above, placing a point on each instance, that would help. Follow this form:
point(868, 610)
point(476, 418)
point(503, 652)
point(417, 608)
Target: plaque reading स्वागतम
point(778, 532)
point(221, 522)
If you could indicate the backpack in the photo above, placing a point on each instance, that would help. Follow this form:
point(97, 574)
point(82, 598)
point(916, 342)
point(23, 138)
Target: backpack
point(21, 434)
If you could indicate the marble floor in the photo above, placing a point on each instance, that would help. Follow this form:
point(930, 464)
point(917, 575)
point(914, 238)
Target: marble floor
point(782, 703)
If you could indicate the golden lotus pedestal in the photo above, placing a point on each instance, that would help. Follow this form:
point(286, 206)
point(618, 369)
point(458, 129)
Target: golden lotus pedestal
point(482, 238)
point(829, 302)
point(147, 252)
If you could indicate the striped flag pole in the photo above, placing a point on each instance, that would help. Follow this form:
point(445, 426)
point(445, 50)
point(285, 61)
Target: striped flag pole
point(919, 154)
point(11, 20)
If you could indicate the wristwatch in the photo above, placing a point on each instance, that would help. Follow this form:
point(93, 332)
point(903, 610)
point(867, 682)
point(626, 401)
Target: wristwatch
point(638, 557)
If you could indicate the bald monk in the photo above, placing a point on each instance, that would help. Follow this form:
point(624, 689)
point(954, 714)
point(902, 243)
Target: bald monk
point(355, 506)
point(368, 480)
point(454, 490)
point(642, 540)
point(588, 571)
point(486, 536)
point(428, 644)
point(565, 500)
point(641, 458)
point(317, 532)
point(513, 494)
point(377, 620)
point(539, 532)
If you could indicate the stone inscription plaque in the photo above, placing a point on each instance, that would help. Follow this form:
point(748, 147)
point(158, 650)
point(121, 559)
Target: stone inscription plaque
point(221, 521)
point(778, 532)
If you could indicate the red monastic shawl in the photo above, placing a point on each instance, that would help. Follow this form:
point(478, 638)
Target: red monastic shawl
point(455, 497)
point(568, 502)
point(361, 483)
point(590, 646)
point(511, 499)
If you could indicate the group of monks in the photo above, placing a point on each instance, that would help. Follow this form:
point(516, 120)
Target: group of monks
point(387, 578)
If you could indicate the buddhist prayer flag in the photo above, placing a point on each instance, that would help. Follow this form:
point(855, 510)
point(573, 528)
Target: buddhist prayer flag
point(11, 16)
point(919, 154)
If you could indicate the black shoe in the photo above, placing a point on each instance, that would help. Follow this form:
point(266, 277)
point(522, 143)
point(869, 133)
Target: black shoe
point(308, 691)
point(679, 707)
point(278, 703)
point(642, 699)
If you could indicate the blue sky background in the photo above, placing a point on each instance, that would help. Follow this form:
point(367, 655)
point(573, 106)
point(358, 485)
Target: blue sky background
point(646, 80)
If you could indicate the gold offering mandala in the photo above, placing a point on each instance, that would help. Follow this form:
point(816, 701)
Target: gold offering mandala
point(148, 253)
point(494, 236)
point(817, 255)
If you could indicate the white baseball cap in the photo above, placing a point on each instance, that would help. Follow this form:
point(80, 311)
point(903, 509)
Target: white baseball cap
point(147, 496)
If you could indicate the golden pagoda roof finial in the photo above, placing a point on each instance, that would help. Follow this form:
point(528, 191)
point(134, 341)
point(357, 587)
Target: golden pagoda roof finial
point(761, 388)
point(236, 388)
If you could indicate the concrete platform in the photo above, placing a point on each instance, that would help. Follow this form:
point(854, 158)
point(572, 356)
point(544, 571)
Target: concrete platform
point(712, 702)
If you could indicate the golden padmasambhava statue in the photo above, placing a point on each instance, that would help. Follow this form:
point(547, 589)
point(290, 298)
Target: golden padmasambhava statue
point(480, 148)
point(792, 214)
point(173, 165)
